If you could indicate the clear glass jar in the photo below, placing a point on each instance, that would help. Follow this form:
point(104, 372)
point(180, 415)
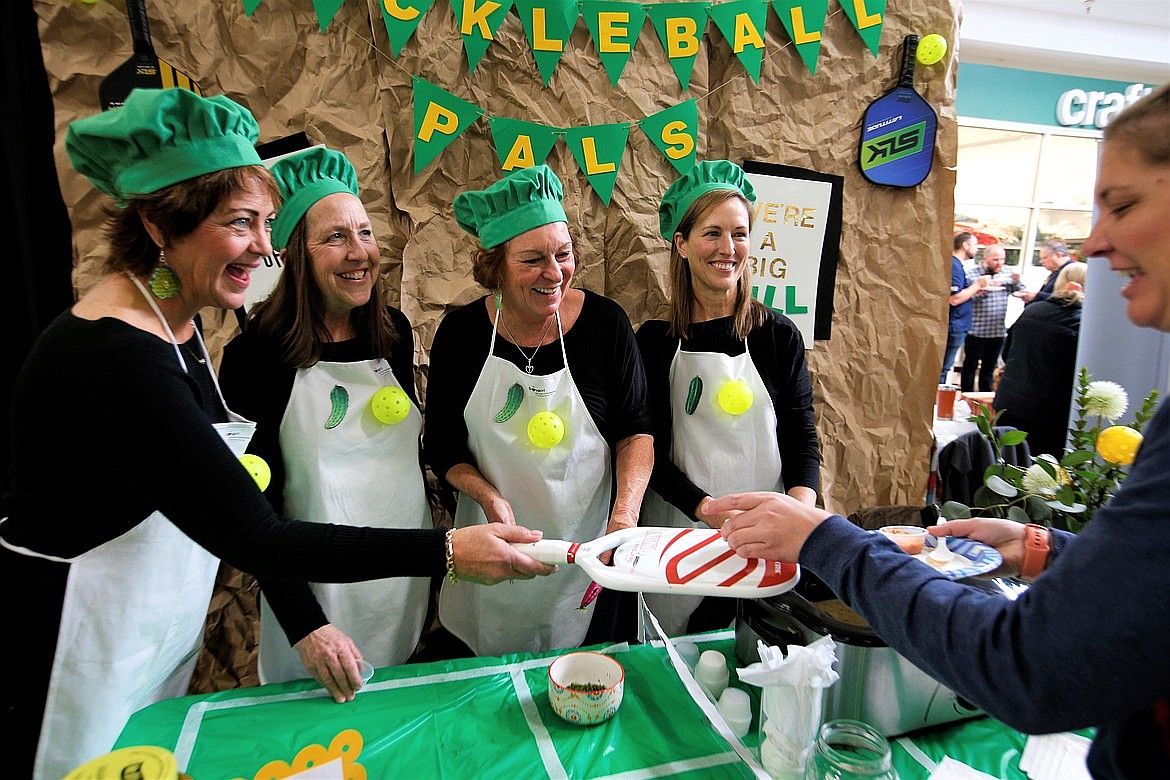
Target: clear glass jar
point(850, 750)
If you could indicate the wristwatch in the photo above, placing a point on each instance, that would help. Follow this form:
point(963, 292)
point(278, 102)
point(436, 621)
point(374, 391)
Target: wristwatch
point(1037, 545)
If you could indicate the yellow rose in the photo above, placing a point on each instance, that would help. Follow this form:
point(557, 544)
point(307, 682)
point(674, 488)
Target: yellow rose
point(1118, 444)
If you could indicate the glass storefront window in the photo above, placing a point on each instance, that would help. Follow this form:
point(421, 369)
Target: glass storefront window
point(1005, 225)
point(1019, 185)
point(1071, 227)
point(1068, 168)
point(996, 166)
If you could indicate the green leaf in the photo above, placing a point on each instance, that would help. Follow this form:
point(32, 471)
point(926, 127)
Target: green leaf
point(1038, 508)
point(1077, 458)
point(1018, 514)
point(1012, 438)
point(1001, 486)
point(953, 510)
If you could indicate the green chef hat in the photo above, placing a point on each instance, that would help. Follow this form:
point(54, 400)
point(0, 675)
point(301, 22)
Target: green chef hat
point(705, 177)
point(305, 178)
point(160, 137)
point(524, 199)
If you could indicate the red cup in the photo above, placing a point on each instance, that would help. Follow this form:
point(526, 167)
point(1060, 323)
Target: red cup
point(947, 394)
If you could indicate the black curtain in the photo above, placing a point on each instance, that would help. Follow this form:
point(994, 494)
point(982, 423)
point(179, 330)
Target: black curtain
point(37, 242)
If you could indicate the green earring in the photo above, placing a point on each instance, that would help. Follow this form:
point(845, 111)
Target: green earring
point(163, 282)
point(499, 299)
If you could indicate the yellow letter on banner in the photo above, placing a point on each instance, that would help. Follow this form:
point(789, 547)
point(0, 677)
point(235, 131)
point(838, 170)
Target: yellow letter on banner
point(681, 40)
point(520, 155)
point(608, 28)
point(437, 119)
point(592, 166)
point(865, 19)
point(679, 142)
point(477, 17)
point(398, 12)
point(746, 32)
point(799, 34)
point(540, 39)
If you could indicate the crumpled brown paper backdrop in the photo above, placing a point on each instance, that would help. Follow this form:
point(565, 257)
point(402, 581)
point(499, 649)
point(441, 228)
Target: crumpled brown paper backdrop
point(874, 380)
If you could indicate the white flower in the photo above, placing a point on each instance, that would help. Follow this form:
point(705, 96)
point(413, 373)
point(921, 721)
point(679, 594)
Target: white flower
point(1105, 399)
point(1038, 481)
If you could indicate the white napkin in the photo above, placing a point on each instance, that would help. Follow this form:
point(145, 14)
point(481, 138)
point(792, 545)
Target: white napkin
point(1056, 757)
point(790, 703)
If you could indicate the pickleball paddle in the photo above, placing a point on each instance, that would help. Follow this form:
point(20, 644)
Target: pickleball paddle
point(670, 560)
point(144, 69)
point(897, 131)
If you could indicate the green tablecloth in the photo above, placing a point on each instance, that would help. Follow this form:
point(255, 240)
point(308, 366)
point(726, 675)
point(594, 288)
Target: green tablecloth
point(490, 717)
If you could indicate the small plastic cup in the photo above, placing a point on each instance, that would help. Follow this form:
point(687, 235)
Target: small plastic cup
point(910, 538)
point(736, 708)
point(711, 673)
point(367, 671)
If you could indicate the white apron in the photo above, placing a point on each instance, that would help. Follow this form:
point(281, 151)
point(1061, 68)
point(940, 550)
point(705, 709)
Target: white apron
point(563, 491)
point(131, 625)
point(721, 453)
point(360, 472)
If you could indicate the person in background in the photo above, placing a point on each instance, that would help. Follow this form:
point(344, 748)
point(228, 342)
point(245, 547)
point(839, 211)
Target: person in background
point(536, 414)
point(325, 337)
point(961, 306)
point(108, 556)
point(984, 341)
point(1040, 354)
point(1053, 256)
point(709, 440)
point(1088, 643)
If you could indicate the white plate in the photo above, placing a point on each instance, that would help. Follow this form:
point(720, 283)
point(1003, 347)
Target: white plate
point(971, 557)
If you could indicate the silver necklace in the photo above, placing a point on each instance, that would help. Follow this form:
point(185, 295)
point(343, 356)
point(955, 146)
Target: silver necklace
point(516, 343)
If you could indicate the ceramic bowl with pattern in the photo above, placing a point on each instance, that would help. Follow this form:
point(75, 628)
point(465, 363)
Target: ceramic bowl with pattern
point(585, 688)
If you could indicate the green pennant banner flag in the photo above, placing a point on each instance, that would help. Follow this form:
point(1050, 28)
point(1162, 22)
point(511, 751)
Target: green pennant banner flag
point(548, 25)
point(867, 17)
point(680, 28)
point(326, 10)
point(250, 7)
point(805, 21)
point(742, 23)
point(521, 144)
point(598, 151)
point(675, 131)
point(439, 118)
point(401, 18)
point(615, 27)
point(478, 22)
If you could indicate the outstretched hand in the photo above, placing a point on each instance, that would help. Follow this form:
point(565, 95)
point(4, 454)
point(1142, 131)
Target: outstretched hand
point(1006, 536)
point(484, 554)
point(766, 525)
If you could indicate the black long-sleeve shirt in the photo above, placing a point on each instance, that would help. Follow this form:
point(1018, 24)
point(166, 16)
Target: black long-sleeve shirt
point(603, 358)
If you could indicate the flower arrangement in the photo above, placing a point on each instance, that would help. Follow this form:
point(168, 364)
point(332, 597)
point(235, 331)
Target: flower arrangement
point(1066, 493)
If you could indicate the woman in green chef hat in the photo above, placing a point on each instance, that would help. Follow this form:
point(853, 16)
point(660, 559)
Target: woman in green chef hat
point(325, 368)
point(729, 386)
point(126, 479)
point(536, 414)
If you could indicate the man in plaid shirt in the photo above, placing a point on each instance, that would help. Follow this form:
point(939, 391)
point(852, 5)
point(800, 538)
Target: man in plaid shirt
point(985, 339)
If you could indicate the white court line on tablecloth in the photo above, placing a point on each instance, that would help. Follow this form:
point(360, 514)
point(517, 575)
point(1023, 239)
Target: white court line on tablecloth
point(189, 731)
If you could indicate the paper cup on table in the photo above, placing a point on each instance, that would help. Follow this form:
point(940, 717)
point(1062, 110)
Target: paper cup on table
point(947, 395)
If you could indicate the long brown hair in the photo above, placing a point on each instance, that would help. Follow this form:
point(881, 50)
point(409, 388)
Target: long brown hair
point(177, 210)
point(748, 313)
point(294, 312)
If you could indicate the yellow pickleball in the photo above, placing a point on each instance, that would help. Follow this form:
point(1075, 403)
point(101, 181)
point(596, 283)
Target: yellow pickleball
point(735, 397)
point(390, 405)
point(258, 468)
point(1118, 444)
point(546, 429)
point(931, 49)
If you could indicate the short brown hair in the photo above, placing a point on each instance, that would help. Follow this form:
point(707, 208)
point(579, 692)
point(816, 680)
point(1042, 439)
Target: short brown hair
point(1145, 126)
point(177, 210)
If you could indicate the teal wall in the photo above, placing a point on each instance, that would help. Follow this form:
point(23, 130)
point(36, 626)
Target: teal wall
point(1008, 94)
